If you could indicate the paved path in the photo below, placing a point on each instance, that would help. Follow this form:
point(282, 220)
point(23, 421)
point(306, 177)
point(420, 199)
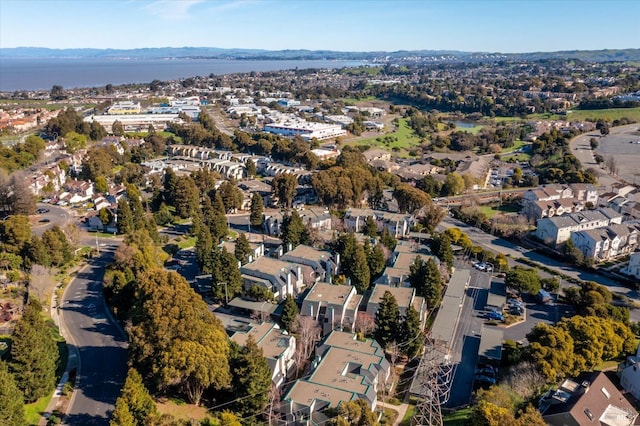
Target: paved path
point(400, 409)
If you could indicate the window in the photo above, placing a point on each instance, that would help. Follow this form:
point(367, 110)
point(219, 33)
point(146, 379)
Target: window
point(605, 392)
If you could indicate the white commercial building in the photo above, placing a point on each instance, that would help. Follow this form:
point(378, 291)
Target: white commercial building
point(307, 130)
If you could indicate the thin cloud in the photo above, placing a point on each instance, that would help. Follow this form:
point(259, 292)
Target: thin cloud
point(221, 7)
point(172, 10)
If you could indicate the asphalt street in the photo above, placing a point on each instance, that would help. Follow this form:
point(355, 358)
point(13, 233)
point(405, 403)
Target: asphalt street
point(96, 342)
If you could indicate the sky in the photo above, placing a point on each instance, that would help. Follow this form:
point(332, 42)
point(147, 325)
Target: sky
point(507, 26)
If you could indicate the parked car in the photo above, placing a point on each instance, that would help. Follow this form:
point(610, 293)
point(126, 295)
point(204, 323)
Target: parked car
point(45, 220)
point(495, 315)
point(42, 211)
point(485, 379)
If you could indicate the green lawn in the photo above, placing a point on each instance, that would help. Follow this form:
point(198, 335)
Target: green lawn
point(187, 243)
point(491, 211)
point(457, 418)
point(516, 145)
point(402, 138)
point(33, 412)
point(523, 156)
point(606, 114)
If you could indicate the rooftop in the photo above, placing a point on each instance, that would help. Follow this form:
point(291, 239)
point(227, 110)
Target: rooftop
point(403, 295)
point(329, 293)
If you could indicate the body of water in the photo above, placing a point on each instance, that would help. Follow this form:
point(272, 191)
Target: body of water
point(42, 73)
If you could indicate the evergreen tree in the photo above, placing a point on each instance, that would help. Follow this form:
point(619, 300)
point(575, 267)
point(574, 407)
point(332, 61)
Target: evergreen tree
point(370, 228)
point(289, 313)
point(226, 280)
point(412, 339)
point(252, 378)
point(251, 168)
point(387, 239)
point(257, 209)
point(441, 247)
point(170, 184)
point(387, 320)
point(231, 196)
point(125, 217)
point(11, 399)
point(218, 204)
point(375, 259)
point(242, 249)
point(204, 246)
point(358, 270)
point(433, 287)
point(186, 198)
point(293, 230)
point(33, 354)
point(135, 405)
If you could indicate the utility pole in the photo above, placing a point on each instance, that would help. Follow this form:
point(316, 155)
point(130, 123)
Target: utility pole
point(434, 373)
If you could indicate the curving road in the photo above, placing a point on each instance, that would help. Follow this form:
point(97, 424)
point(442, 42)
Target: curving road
point(96, 344)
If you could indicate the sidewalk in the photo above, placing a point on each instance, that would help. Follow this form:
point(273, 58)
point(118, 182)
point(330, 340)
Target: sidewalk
point(400, 409)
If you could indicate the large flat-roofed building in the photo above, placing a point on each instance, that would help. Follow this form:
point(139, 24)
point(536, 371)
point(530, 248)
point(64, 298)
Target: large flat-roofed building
point(124, 107)
point(345, 369)
point(135, 122)
point(307, 130)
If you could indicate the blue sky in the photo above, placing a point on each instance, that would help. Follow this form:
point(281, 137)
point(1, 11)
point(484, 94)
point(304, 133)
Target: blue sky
point(345, 25)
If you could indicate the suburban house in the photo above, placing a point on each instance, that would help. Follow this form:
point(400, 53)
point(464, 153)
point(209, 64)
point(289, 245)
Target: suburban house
point(282, 278)
point(397, 224)
point(272, 222)
point(558, 229)
point(556, 199)
point(633, 268)
point(401, 261)
point(405, 297)
point(316, 218)
point(629, 373)
point(609, 242)
point(334, 306)
point(589, 399)
point(344, 369)
point(277, 346)
point(79, 190)
point(323, 263)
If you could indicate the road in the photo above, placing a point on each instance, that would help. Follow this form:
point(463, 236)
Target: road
point(96, 342)
point(56, 215)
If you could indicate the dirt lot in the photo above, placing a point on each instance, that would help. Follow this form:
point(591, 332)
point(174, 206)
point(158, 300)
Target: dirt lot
point(623, 144)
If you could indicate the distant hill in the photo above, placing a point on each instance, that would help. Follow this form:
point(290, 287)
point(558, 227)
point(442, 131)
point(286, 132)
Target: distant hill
point(217, 53)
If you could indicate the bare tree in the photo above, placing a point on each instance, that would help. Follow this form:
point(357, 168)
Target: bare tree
point(365, 324)
point(40, 281)
point(612, 165)
point(524, 379)
point(308, 334)
point(22, 199)
point(72, 232)
point(274, 404)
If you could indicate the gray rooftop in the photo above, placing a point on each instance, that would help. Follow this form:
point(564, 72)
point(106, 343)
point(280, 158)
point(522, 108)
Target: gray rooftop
point(491, 343)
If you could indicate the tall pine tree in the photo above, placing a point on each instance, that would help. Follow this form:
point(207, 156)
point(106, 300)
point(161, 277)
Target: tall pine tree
point(242, 249)
point(289, 313)
point(33, 354)
point(11, 399)
point(252, 377)
point(412, 337)
point(387, 320)
point(134, 406)
point(257, 208)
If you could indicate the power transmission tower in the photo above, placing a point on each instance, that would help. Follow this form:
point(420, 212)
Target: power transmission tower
point(434, 376)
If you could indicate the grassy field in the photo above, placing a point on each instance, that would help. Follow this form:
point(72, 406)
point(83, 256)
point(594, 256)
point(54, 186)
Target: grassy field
point(491, 211)
point(33, 412)
point(605, 114)
point(354, 101)
point(187, 243)
point(473, 130)
point(516, 145)
point(457, 418)
point(523, 156)
point(402, 138)
point(181, 410)
point(406, 420)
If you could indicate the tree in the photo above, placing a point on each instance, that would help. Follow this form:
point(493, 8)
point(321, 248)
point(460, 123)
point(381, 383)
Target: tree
point(387, 239)
point(289, 314)
point(125, 217)
point(412, 338)
point(117, 128)
point(293, 231)
point(74, 141)
point(186, 198)
point(593, 143)
point(231, 196)
point(135, 405)
point(376, 259)
point(169, 184)
point(252, 376)
point(105, 216)
point(101, 185)
point(251, 168)
point(226, 281)
point(410, 199)
point(426, 279)
point(308, 331)
point(356, 413)
point(242, 249)
point(523, 279)
point(260, 294)
point(365, 324)
point(284, 186)
point(15, 233)
point(453, 185)
point(174, 337)
point(387, 320)
point(441, 247)
point(11, 402)
point(33, 354)
point(551, 349)
point(432, 215)
point(370, 228)
point(357, 269)
point(21, 201)
point(257, 209)
point(57, 93)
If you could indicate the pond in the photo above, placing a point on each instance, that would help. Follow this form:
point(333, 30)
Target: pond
point(464, 124)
